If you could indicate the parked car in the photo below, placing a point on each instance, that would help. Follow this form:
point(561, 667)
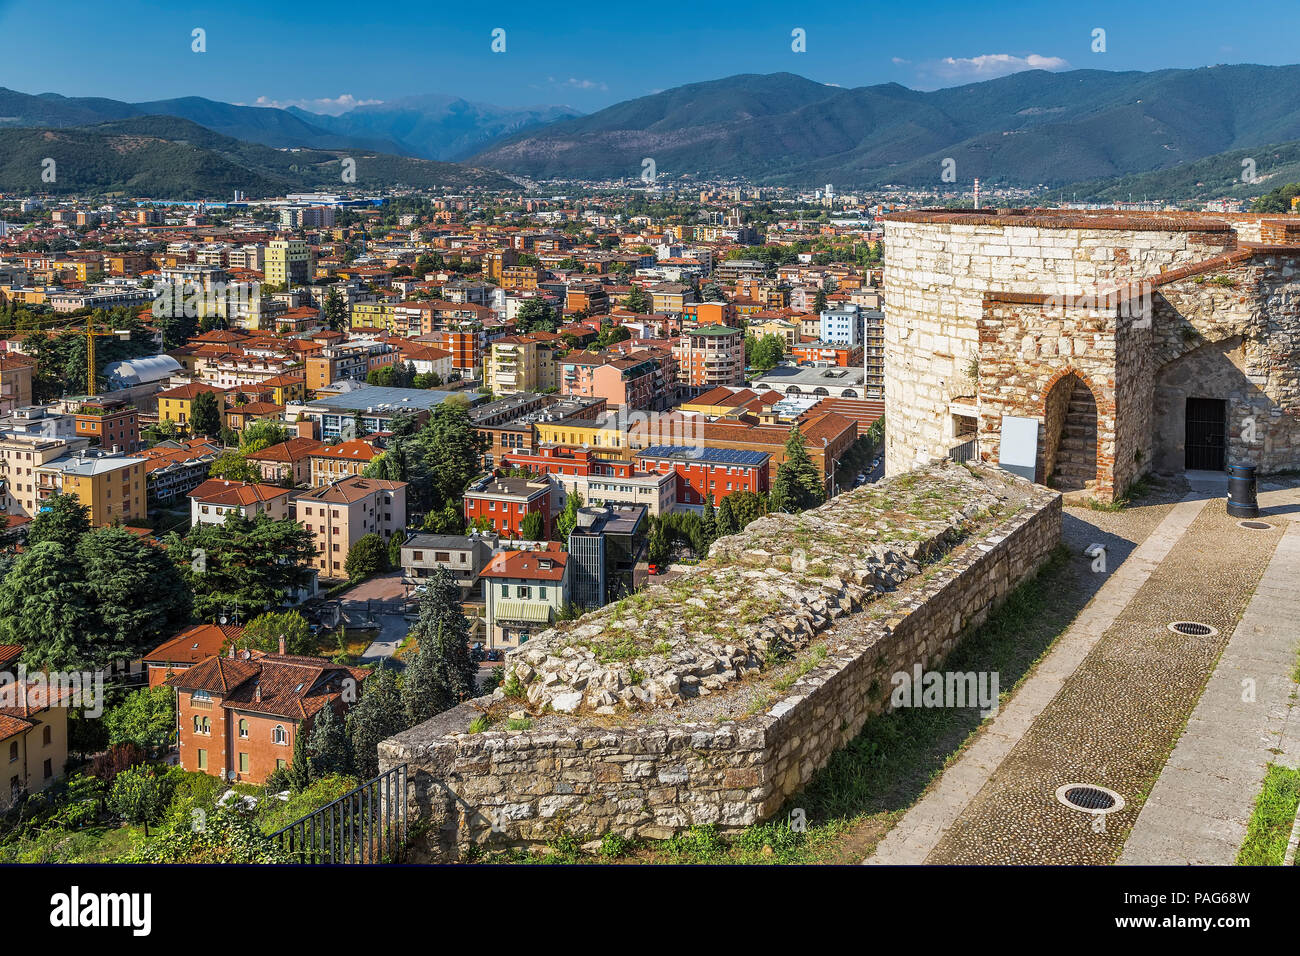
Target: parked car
point(655, 569)
point(494, 655)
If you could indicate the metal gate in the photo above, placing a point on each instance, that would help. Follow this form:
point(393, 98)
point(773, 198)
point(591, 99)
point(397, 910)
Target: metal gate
point(366, 825)
point(1207, 431)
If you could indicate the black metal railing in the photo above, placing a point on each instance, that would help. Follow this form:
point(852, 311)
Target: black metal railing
point(966, 451)
point(365, 825)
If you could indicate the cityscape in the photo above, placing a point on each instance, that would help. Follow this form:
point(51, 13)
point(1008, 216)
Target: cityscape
point(884, 453)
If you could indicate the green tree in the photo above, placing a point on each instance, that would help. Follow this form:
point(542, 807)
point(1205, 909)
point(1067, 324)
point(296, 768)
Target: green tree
point(449, 520)
point(797, 485)
point(445, 456)
point(395, 550)
point(205, 415)
point(638, 301)
point(62, 518)
point(328, 747)
point(263, 633)
point(368, 556)
point(378, 715)
point(532, 528)
point(138, 595)
point(46, 606)
point(567, 519)
point(819, 301)
point(146, 718)
point(726, 518)
point(335, 310)
point(262, 434)
point(709, 521)
point(138, 796)
point(442, 673)
point(233, 466)
point(249, 563)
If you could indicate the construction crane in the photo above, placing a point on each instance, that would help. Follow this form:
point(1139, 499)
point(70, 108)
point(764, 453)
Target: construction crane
point(91, 333)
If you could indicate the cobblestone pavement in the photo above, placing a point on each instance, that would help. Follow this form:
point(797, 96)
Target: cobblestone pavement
point(1119, 713)
point(1136, 540)
point(1247, 718)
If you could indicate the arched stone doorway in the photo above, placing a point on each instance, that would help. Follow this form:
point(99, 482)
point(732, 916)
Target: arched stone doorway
point(1070, 439)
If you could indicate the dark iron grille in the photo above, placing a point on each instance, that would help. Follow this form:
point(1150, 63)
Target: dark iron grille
point(1207, 429)
point(1089, 798)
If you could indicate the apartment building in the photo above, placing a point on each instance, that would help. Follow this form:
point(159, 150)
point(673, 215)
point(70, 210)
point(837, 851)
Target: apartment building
point(216, 498)
point(110, 484)
point(172, 469)
point(288, 262)
point(504, 503)
point(15, 383)
point(522, 363)
point(347, 459)
point(109, 423)
point(350, 361)
point(177, 404)
point(704, 473)
point(339, 514)
point(289, 462)
point(709, 356)
point(33, 733)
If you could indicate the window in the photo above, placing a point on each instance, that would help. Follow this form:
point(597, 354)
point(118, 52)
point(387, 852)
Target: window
point(13, 751)
point(541, 593)
point(203, 760)
point(207, 726)
point(47, 736)
point(243, 763)
point(48, 768)
point(280, 763)
point(279, 735)
point(243, 729)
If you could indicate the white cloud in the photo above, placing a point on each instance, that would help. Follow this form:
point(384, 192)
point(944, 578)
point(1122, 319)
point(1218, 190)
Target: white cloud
point(330, 106)
point(573, 83)
point(953, 69)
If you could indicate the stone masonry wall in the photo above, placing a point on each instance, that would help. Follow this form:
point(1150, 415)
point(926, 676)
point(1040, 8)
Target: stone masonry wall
point(938, 268)
point(652, 773)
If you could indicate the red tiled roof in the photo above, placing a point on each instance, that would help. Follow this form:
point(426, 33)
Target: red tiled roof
point(193, 644)
point(218, 491)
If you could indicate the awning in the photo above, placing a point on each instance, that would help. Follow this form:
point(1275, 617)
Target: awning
point(523, 612)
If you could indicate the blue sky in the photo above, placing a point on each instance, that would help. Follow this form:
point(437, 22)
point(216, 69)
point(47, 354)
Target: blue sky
point(326, 55)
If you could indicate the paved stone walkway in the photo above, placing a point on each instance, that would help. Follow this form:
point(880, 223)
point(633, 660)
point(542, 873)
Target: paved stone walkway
point(1109, 701)
point(1200, 807)
point(921, 829)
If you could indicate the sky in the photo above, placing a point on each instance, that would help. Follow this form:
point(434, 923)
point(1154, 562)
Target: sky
point(328, 55)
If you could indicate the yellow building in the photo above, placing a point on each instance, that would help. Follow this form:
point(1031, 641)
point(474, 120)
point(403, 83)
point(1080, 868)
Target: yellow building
point(111, 485)
point(33, 730)
point(373, 315)
point(288, 262)
point(286, 388)
point(20, 457)
point(604, 436)
point(521, 363)
point(177, 404)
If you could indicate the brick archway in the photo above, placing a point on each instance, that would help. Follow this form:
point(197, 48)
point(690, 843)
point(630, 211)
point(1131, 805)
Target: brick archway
point(1070, 456)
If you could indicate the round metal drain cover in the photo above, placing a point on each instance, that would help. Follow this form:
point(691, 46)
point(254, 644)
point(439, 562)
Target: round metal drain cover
point(1089, 798)
point(1254, 525)
point(1193, 629)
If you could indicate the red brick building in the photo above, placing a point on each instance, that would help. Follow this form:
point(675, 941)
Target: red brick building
point(704, 472)
point(505, 502)
point(191, 646)
point(109, 423)
point(238, 717)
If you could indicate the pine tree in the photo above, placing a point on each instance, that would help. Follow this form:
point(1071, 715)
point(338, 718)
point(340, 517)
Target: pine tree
point(726, 518)
point(797, 485)
point(329, 749)
point(709, 523)
point(442, 673)
point(64, 519)
point(378, 715)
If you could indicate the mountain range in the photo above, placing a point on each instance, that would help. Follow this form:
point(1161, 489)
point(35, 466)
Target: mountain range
point(170, 158)
point(1027, 129)
point(1085, 133)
